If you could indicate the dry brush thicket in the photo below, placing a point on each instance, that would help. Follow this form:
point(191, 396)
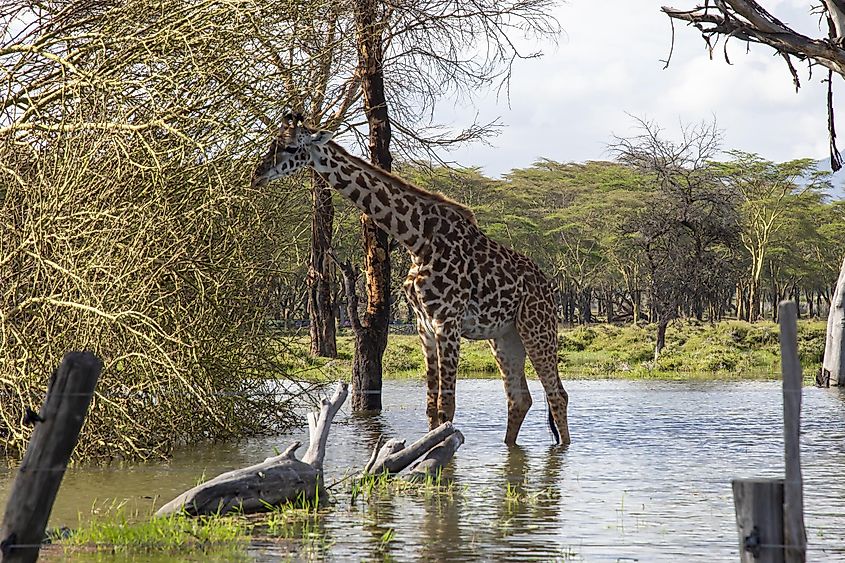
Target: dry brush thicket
point(127, 222)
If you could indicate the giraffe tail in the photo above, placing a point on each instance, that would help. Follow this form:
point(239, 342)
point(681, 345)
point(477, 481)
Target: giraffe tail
point(552, 425)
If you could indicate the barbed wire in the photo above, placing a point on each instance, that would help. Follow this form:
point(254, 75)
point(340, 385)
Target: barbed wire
point(563, 543)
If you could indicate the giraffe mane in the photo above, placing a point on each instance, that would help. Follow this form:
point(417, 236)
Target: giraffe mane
point(436, 197)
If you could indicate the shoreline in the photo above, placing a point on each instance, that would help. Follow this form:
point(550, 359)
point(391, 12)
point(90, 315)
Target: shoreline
point(724, 351)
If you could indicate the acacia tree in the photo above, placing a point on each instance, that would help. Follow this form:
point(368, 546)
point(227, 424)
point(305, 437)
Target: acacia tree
point(409, 55)
point(767, 191)
point(689, 224)
point(747, 20)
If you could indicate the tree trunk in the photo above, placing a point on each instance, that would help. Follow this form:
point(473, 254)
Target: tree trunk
point(661, 337)
point(636, 297)
point(754, 308)
point(834, 348)
point(811, 313)
point(741, 308)
point(586, 306)
point(320, 304)
point(371, 340)
point(609, 305)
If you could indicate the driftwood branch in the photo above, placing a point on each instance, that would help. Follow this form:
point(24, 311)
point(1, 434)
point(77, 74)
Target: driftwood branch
point(319, 425)
point(275, 481)
point(394, 456)
point(833, 364)
point(436, 458)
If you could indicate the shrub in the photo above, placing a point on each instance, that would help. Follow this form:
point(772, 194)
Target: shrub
point(577, 340)
point(129, 226)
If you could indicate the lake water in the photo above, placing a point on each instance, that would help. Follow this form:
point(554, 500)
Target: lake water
point(647, 477)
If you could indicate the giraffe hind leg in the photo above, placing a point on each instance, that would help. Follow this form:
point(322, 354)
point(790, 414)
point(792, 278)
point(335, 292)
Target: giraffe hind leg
point(539, 335)
point(510, 356)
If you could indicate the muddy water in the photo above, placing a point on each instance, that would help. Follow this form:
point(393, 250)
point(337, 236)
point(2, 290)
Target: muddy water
point(647, 477)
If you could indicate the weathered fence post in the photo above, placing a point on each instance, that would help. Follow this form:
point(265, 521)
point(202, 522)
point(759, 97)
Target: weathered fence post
point(759, 519)
point(43, 466)
point(793, 497)
point(770, 512)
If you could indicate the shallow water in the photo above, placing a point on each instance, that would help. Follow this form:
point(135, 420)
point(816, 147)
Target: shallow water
point(647, 477)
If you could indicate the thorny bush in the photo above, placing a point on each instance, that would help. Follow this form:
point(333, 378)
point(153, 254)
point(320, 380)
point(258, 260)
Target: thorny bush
point(128, 225)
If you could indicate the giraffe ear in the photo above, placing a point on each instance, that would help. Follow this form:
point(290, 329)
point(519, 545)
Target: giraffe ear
point(321, 137)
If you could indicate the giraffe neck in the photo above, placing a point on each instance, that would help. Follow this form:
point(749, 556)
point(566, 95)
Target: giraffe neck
point(406, 212)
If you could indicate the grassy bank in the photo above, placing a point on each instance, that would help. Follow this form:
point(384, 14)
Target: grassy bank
point(294, 531)
point(725, 350)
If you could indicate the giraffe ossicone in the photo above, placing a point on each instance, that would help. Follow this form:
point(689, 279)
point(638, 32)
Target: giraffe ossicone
point(461, 282)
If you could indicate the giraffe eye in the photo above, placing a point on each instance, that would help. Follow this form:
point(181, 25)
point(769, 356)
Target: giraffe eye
point(290, 150)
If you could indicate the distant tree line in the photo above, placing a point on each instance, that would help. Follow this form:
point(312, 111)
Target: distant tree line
point(668, 230)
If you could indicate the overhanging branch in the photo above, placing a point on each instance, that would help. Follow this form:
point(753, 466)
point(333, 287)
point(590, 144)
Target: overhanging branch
point(748, 20)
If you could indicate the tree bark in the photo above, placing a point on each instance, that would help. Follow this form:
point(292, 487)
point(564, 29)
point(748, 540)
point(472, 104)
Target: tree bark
point(834, 348)
point(661, 337)
point(371, 339)
point(371, 333)
point(586, 306)
point(320, 303)
point(636, 297)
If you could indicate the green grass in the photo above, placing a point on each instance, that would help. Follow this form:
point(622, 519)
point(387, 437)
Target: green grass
point(371, 487)
point(117, 531)
point(114, 530)
point(725, 350)
point(694, 350)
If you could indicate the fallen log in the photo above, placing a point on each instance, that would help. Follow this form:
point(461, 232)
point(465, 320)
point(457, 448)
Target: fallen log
point(275, 481)
point(435, 459)
point(394, 456)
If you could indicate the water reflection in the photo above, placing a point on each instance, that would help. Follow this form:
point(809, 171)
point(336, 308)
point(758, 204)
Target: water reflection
point(370, 428)
point(529, 503)
point(442, 533)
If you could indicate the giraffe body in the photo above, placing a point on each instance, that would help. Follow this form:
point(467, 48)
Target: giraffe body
point(461, 282)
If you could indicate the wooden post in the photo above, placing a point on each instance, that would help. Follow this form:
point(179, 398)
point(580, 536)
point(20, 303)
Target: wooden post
point(43, 466)
point(759, 519)
point(793, 509)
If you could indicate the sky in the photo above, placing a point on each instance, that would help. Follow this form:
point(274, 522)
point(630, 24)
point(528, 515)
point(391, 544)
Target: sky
point(608, 66)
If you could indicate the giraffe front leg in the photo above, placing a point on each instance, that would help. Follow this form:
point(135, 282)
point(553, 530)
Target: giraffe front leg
point(429, 349)
point(448, 341)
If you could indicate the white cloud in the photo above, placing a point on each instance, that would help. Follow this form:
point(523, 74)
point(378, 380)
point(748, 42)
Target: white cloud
point(568, 104)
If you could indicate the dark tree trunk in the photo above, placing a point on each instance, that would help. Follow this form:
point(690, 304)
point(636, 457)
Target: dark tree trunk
point(371, 338)
point(586, 306)
point(320, 304)
point(661, 337)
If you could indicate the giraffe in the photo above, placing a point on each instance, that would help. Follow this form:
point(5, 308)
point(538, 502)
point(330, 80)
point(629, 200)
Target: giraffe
point(461, 282)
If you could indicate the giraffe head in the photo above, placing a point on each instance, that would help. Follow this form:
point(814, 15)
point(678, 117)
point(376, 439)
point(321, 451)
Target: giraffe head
point(291, 150)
